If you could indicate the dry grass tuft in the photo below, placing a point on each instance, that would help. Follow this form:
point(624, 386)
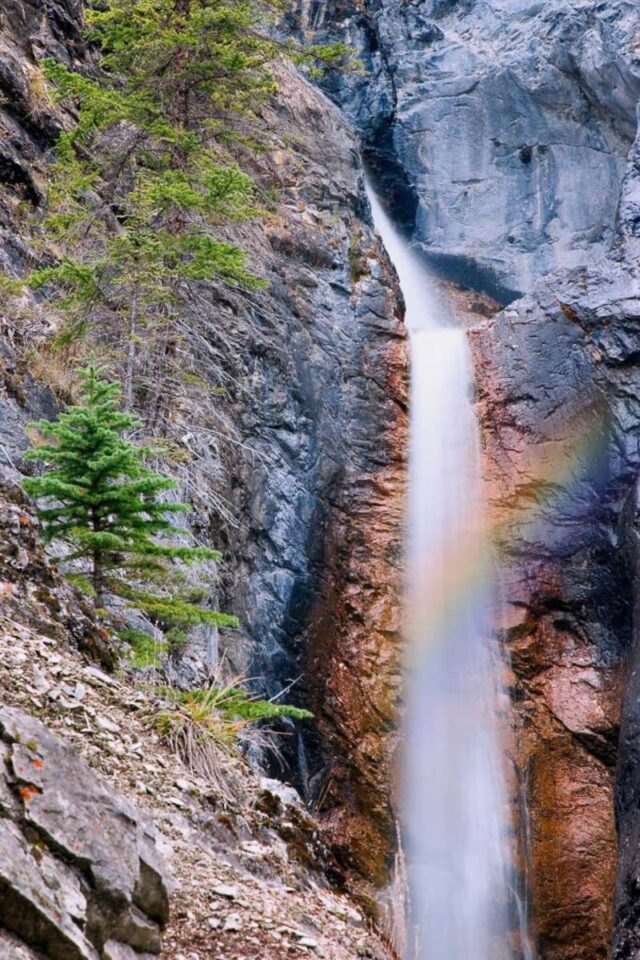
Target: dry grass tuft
point(198, 731)
point(212, 729)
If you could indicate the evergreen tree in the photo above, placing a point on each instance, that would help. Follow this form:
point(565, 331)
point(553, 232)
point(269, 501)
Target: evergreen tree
point(144, 183)
point(99, 499)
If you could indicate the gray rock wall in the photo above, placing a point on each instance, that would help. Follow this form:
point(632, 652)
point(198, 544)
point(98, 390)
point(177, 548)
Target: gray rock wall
point(302, 420)
point(511, 123)
point(314, 566)
point(559, 381)
point(626, 940)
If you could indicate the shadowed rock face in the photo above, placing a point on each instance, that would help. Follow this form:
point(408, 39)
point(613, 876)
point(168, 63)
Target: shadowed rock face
point(627, 926)
point(353, 663)
point(317, 561)
point(559, 381)
point(557, 401)
point(29, 121)
point(313, 567)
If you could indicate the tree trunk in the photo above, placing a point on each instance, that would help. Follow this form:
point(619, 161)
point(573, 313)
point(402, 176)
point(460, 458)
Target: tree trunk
point(131, 354)
point(97, 572)
point(98, 586)
point(182, 8)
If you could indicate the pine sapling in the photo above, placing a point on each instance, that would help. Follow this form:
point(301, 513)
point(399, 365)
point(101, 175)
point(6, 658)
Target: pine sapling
point(99, 501)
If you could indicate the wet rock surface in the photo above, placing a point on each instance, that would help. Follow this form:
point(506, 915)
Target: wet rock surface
point(502, 135)
point(558, 385)
point(626, 941)
point(325, 427)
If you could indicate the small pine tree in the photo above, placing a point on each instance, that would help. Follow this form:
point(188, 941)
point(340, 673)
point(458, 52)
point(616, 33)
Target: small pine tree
point(99, 499)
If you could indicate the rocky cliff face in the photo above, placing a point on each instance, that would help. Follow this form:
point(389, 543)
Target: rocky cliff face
point(503, 136)
point(315, 563)
point(315, 485)
point(295, 467)
point(29, 31)
point(560, 416)
point(68, 888)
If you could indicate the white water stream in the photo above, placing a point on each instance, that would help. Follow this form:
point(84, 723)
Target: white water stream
point(456, 811)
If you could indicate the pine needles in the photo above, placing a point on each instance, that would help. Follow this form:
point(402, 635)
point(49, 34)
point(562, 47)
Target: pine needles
point(99, 500)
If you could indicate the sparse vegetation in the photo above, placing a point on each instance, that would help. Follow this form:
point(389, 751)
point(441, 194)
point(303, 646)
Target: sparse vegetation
point(236, 703)
point(145, 185)
point(146, 650)
point(357, 259)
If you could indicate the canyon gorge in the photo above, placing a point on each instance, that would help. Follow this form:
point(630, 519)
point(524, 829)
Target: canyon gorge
point(500, 140)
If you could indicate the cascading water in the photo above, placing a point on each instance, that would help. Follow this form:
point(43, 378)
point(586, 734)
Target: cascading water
point(456, 810)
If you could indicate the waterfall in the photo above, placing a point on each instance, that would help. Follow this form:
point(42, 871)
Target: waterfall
point(456, 817)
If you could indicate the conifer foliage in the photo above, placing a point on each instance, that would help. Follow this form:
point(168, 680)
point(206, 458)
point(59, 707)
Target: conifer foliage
point(100, 501)
point(144, 185)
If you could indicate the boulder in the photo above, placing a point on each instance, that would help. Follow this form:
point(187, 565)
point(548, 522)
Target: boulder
point(78, 863)
point(113, 950)
point(12, 949)
point(41, 899)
